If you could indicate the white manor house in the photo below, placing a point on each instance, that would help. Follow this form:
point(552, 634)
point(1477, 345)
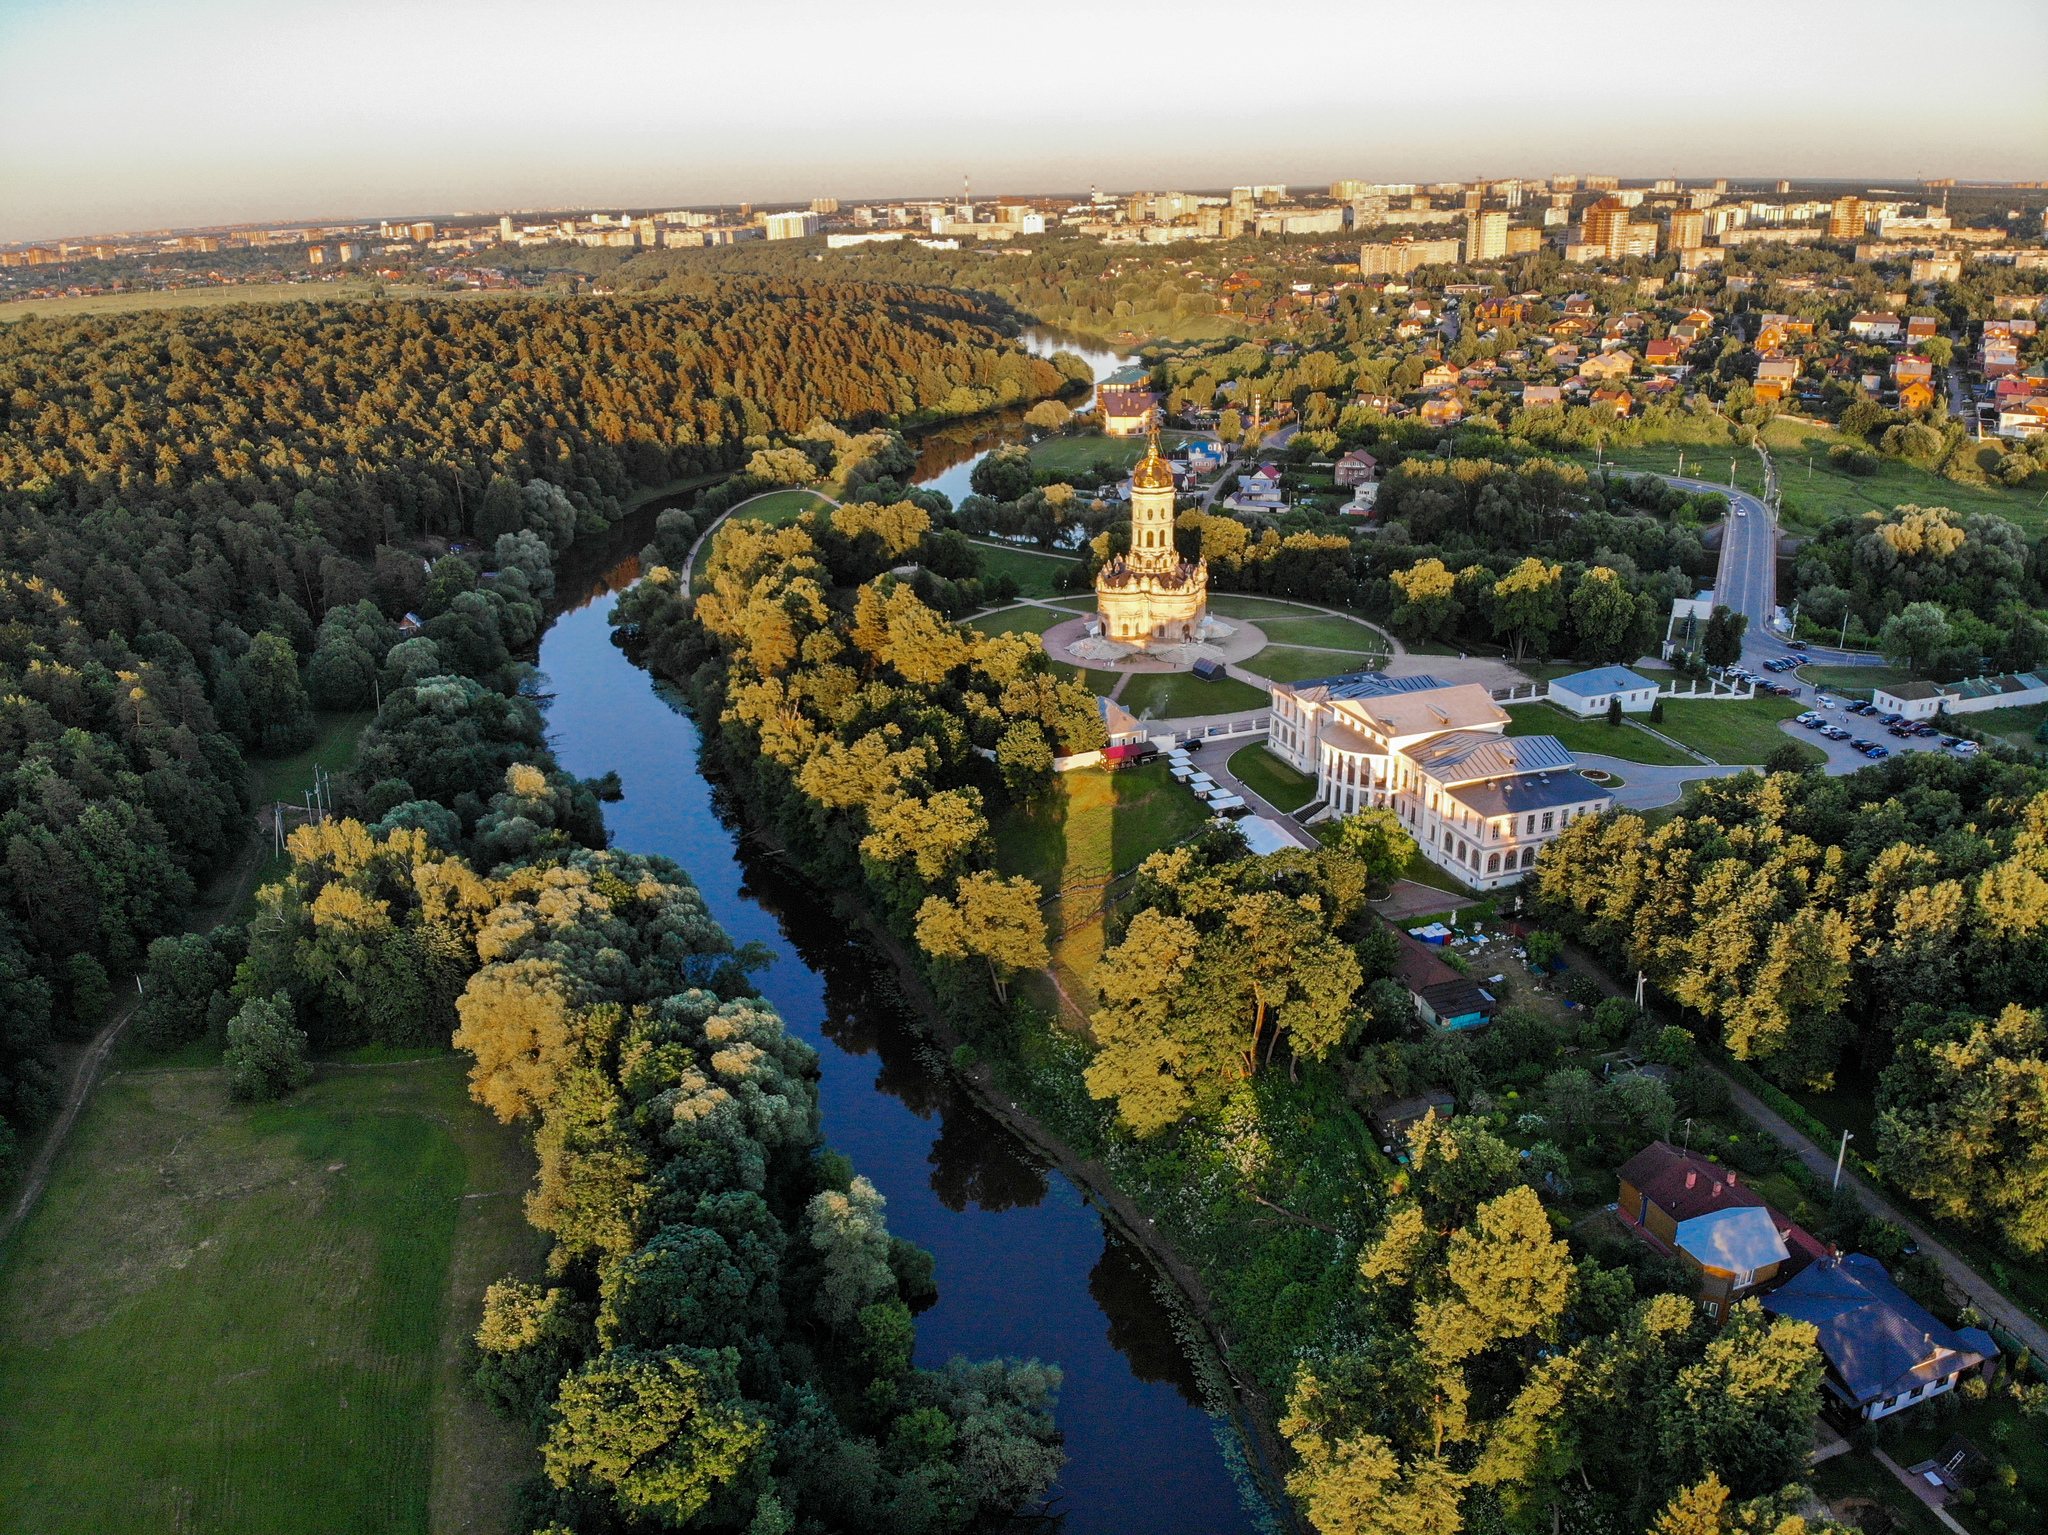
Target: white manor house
point(1478, 801)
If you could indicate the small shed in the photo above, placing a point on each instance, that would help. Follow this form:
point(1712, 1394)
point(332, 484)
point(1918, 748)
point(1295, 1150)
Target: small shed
point(1392, 1121)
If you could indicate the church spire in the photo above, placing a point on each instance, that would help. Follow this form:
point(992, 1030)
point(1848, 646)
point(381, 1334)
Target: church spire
point(1152, 472)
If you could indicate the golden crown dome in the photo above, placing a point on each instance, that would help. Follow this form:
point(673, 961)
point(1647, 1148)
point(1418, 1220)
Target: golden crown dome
point(1152, 472)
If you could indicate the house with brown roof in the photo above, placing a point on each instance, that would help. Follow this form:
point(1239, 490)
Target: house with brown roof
point(1441, 376)
point(1916, 396)
point(1444, 410)
point(1126, 411)
point(1622, 401)
point(1875, 325)
point(1684, 1205)
point(1909, 367)
point(1666, 356)
point(1537, 396)
point(1355, 468)
point(1921, 327)
point(1608, 365)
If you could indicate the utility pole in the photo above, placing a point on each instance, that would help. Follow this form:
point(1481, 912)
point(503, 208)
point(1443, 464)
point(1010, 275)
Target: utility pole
point(1841, 1152)
point(1640, 981)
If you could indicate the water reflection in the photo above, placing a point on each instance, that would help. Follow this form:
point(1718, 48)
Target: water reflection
point(1139, 1327)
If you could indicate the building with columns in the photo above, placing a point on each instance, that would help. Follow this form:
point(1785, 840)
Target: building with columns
point(1151, 596)
point(1479, 802)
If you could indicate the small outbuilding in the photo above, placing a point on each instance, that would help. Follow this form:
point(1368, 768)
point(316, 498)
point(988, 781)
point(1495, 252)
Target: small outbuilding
point(1586, 694)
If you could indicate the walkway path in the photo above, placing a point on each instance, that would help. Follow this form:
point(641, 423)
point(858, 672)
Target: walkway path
point(1644, 787)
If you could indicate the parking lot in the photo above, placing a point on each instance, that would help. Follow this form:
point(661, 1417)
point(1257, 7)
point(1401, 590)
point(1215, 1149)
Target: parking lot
point(1843, 755)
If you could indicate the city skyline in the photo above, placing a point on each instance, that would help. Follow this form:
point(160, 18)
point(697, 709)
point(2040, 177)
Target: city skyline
point(211, 113)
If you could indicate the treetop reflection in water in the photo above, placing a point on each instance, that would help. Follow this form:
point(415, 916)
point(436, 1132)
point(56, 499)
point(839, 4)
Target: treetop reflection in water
point(1025, 1268)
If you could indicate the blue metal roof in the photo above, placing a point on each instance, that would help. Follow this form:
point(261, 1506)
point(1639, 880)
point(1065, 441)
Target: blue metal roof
point(1878, 1340)
point(1602, 679)
point(1537, 791)
point(1462, 756)
point(1369, 685)
point(1737, 1240)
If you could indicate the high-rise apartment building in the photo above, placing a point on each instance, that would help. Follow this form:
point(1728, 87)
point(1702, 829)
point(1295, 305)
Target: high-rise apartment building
point(791, 226)
point(505, 234)
point(1564, 183)
point(1666, 185)
point(1688, 228)
point(1486, 235)
point(1602, 183)
point(1607, 225)
point(1400, 257)
point(422, 232)
point(824, 205)
point(1847, 219)
point(1784, 186)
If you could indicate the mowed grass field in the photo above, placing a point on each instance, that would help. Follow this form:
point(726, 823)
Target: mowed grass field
point(1179, 695)
point(251, 1318)
point(1623, 740)
point(1291, 663)
point(1738, 734)
point(1036, 574)
point(1281, 784)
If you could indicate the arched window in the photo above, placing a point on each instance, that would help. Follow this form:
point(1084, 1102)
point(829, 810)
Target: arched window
point(1528, 858)
point(1493, 863)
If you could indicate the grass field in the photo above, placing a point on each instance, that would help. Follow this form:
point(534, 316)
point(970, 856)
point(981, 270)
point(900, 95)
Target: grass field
point(1283, 786)
point(1737, 734)
point(1289, 663)
point(1070, 455)
point(228, 1318)
point(1623, 741)
point(2015, 725)
point(779, 506)
point(1176, 695)
point(1321, 629)
point(1259, 609)
point(1020, 620)
point(1096, 824)
point(1034, 573)
point(1815, 492)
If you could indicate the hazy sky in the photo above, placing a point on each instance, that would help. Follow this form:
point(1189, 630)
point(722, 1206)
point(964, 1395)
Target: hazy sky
point(128, 114)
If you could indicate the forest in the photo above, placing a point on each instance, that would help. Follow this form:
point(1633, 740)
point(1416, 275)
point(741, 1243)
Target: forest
point(216, 522)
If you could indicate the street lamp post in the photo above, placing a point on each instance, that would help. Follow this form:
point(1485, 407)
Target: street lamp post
point(1841, 1152)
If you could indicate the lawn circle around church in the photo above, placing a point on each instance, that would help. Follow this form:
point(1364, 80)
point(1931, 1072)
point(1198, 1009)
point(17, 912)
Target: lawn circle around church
point(1243, 642)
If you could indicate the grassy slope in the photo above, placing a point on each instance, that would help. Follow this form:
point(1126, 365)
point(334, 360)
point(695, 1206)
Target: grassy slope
point(2014, 725)
point(1624, 741)
point(1737, 734)
point(1283, 786)
point(239, 1318)
point(1034, 573)
point(1177, 695)
point(1095, 824)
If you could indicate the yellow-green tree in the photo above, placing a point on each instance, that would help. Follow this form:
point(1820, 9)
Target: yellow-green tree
point(989, 918)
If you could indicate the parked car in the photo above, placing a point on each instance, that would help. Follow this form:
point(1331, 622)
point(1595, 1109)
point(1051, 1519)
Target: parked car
point(1892, 719)
point(1902, 731)
point(1877, 751)
point(1795, 644)
point(1951, 740)
point(1925, 729)
point(1836, 733)
point(1860, 744)
point(1967, 748)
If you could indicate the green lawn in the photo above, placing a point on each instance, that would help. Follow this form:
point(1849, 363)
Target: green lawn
point(1019, 621)
point(1177, 695)
point(1320, 629)
point(1287, 663)
point(1096, 823)
point(780, 506)
point(1281, 785)
point(226, 1317)
point(1996, 1427)
point(1738, 734)
point(1815, 492)
point(1623, 741)
point(1034, 573)
point(2015, 725)
point(1422, 872)
point(1258, 609)
point(1071, 455)
point(1851, 679)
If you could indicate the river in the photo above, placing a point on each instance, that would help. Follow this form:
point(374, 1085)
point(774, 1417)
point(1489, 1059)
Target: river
point(1025, 1268)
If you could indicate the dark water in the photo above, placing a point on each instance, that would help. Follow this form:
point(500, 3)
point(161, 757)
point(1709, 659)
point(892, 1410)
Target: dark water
point(1025, 1268)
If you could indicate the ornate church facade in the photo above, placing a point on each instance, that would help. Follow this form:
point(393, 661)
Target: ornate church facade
point(1151, 596)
